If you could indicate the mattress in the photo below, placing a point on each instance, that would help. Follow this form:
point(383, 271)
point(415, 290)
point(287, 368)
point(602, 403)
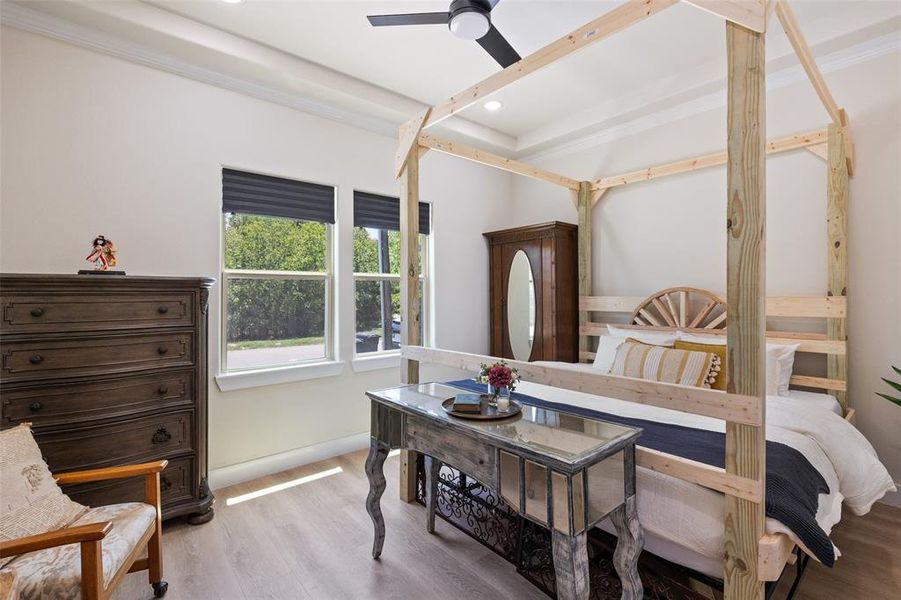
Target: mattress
point(684, 521)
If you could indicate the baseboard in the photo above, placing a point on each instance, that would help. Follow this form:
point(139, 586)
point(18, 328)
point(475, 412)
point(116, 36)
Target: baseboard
point(274, 463)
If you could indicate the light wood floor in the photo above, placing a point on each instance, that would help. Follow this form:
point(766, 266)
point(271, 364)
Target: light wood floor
point(314, 541)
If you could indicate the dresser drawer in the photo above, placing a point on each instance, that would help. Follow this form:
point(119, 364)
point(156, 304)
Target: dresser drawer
point(47, 405)
point(176, 484)
point(43, 359)
point(94, 311)
point(474, 459)
point(127, 442)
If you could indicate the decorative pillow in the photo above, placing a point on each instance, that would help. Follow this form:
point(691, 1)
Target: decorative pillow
point(31, 502)
point(656, 338)
point(606, 352)
point(779, 361)
point(718, 349)
point(785, 356)
point(658, 363)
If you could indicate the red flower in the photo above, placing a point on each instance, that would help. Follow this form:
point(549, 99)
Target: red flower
point(500, 376)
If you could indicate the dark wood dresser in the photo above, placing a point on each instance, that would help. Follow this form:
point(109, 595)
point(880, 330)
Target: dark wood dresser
point(551, 249)
point(111, 370)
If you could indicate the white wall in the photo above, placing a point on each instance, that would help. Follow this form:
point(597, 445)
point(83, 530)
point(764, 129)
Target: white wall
point(671, 231)
point(93, 144)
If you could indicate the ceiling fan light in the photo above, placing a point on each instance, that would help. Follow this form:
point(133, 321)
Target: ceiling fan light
point(469, 25)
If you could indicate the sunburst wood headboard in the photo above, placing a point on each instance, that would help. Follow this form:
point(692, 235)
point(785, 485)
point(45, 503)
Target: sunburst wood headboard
point(702, 312)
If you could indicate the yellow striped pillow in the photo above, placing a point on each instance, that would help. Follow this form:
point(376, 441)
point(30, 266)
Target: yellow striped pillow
point(658, 363)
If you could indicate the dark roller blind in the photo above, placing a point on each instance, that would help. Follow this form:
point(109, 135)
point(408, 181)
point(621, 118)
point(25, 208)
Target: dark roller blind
point(277, 197)
point(383, 212)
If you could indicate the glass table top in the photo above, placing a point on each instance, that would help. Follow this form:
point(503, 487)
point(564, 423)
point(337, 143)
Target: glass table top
point(561, 435)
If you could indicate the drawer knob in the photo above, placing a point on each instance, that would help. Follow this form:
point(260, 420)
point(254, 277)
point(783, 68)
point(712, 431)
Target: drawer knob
point(163, 310)
point(165, 484)
point(36, 359)
point(162, 349)
point(161, 436)
point(163, 389)
point(35, 406)
point(37, 312)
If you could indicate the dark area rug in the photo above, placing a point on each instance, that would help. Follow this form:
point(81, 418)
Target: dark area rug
point(480, 513)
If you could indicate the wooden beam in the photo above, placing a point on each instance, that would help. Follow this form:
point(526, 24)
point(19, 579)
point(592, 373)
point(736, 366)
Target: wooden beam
point(407, 136)
point(745, 299)
point(837, 251)
point(410, 317)
point(819, 382)
point(820, 150)
point(493, 160)
point(774, 550)
point(834, 307)
point(697, 401)
point(604, 26)
point(748, 13)
point(790, 24)
point(784, 144)
point(807, 342)
point(703, 474)
point(584, 252)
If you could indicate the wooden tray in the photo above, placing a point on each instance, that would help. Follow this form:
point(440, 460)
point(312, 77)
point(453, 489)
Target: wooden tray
point(488, 413)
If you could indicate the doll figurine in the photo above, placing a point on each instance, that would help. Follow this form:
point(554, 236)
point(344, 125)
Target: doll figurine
point(104, 254)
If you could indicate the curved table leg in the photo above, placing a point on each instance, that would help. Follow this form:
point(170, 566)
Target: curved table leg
point(432, 469)
point(630, 540)
point(378, 452)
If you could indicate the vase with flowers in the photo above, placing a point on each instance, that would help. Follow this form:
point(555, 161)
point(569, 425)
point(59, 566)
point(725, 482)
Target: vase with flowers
point(501, 379)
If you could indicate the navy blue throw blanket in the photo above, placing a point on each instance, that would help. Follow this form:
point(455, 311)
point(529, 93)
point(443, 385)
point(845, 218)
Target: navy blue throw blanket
point(793, 486)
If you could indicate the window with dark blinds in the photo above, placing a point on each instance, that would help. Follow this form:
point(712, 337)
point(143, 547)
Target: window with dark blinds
point(383, 212)
point(252, 193)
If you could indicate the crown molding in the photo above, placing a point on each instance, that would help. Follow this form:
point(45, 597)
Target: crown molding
point(706, 100)
point(21, 17)
point(33, 21)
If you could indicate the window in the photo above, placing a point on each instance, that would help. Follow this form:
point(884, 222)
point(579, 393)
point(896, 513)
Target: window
point(276, 283)
point(376, 241)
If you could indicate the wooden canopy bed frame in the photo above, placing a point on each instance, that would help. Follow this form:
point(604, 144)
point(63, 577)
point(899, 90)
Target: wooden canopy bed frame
point(751, 557)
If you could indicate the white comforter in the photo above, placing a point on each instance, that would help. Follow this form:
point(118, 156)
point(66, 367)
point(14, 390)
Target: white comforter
point(679, 515)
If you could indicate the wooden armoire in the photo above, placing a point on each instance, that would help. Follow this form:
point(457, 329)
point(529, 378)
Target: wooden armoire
point(111, 370)
point(552, 251)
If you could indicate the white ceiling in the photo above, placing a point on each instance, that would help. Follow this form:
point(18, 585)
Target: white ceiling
point(679, 50)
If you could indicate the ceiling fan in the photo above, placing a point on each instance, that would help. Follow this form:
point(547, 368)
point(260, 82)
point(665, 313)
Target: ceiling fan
point(466, 19)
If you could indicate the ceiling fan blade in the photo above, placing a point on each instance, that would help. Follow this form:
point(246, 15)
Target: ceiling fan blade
point(498, 47)
point(493, 3)
point(409, 19)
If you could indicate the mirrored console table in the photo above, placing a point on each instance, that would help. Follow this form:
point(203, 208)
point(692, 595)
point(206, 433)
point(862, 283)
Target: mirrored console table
point(562, 471)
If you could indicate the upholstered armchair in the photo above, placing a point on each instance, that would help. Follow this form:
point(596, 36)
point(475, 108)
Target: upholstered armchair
point(90, 550)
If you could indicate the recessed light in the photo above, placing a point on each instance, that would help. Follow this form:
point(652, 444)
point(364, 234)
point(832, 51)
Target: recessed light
point(233, 1)
point(492, 105)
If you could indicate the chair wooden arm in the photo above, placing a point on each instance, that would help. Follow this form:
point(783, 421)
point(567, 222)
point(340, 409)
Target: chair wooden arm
point(71, 535)
point(111, 473)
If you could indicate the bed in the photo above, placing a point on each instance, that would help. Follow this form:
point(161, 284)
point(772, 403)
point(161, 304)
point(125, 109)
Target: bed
point(683, 521)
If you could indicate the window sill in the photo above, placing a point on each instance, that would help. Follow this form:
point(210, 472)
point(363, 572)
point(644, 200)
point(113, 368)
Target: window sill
point(240, 380)
point(378, 362)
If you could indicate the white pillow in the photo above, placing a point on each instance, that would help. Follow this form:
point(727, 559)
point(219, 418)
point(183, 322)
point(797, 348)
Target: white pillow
point(786, 358)
point(780, 359)
point(606, 352)
point(656, 338)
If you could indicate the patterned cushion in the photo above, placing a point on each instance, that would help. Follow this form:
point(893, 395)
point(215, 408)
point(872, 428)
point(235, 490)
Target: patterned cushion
point(658, 363)
point(56, 572)
point(31, 502)
point(718, 349)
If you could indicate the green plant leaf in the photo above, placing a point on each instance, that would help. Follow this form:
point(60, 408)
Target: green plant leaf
point(889, 398)
point(897, 370)
point(894, 384)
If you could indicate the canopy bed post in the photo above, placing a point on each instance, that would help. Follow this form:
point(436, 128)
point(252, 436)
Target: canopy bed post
point(410, 316)
point(837, 252)
point(584, 259)
point(745, 297)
